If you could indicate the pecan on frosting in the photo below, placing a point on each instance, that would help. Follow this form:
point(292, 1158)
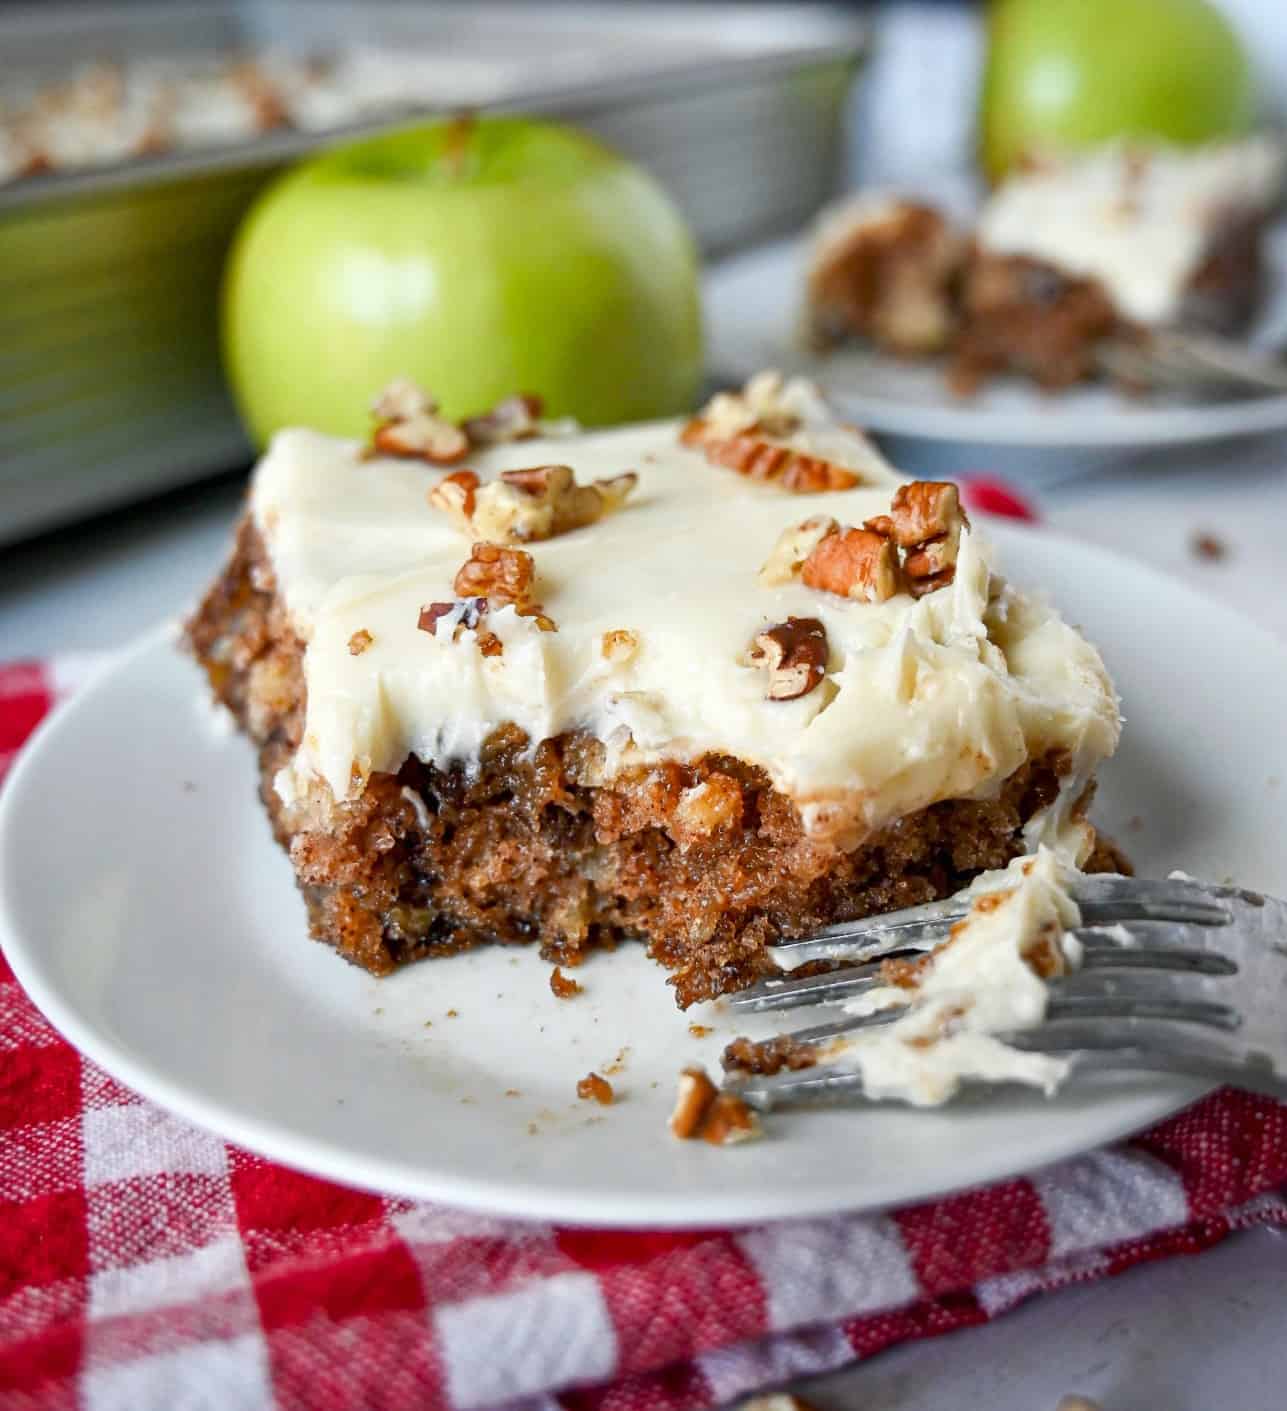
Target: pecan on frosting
point(793, 548)
point(795, 654)
point(469, 616)
point(854, 563)
point(409, 426)
point(750, 431)
point(513, 419)
point(502, 576)
point(527, 505)
point(925, 521)
point(491, 578)
point(619, 646)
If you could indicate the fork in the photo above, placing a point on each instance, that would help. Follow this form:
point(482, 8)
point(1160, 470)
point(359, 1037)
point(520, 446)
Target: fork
point(1190, 361)
point(1176, 976)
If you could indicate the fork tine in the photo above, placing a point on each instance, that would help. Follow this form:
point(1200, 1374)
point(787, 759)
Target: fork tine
point(1169, 1046)
point(936, 915)
point(859, 943)
point(826, 988)
point(1111, 954)
point(765, 1092)
point(1147, 365)
point(850, 1024)
point(1226, 360)
point(833, 986)
point(1119, 1046)
point(912, 928)
point(836, 1028)
point(1102, 954)
point(1105, 898)
point(1070, 1004)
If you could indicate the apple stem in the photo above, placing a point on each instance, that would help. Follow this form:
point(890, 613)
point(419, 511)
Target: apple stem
point(456, 143)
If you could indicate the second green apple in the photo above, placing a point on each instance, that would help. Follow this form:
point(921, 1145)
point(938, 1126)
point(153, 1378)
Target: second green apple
point(1067, 74)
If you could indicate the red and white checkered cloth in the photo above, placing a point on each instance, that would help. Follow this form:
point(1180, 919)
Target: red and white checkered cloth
point(147, 1266)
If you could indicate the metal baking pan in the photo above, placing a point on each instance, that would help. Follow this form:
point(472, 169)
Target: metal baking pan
point(110, 385)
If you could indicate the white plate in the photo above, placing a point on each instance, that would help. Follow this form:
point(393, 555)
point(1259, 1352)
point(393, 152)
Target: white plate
point(752, 305)
point(148, 913)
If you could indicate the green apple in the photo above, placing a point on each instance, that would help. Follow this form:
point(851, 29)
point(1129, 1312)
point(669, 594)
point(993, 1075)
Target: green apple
point(479, 258)
point(1073, 73)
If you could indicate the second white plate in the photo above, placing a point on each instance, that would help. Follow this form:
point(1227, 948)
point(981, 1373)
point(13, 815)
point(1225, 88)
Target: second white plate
point(752, 305)
point(146, 909)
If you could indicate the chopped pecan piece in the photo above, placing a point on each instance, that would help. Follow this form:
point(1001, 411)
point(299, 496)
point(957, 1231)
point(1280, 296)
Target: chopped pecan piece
point(693, 1098)
point(792, 549)
point(729, 1121)
point(471, 613)
point(411, 427)
point(513, 419)
point(426, 438)
point(359, 642)
point(454, 494)
point(748, 432)
point(535, 503)
point(768, 402)
point(925, 509)
point(854, 563)
point(500, 575)
point(619, 645)
point(492, 577)
point(402, 400)
point(430, 615)
point(702, 1110)
point(759, 458)
point(925, 519)
point(795, 653)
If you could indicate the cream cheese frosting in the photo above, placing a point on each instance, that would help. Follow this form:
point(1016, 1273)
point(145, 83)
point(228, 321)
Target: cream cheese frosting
point(979, 985)
point(941, 697)
point(1140, 221)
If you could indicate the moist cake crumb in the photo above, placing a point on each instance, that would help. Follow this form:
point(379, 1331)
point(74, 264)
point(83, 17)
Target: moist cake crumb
point(563, 986)
point(1206, 545)
point(595, 1088)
